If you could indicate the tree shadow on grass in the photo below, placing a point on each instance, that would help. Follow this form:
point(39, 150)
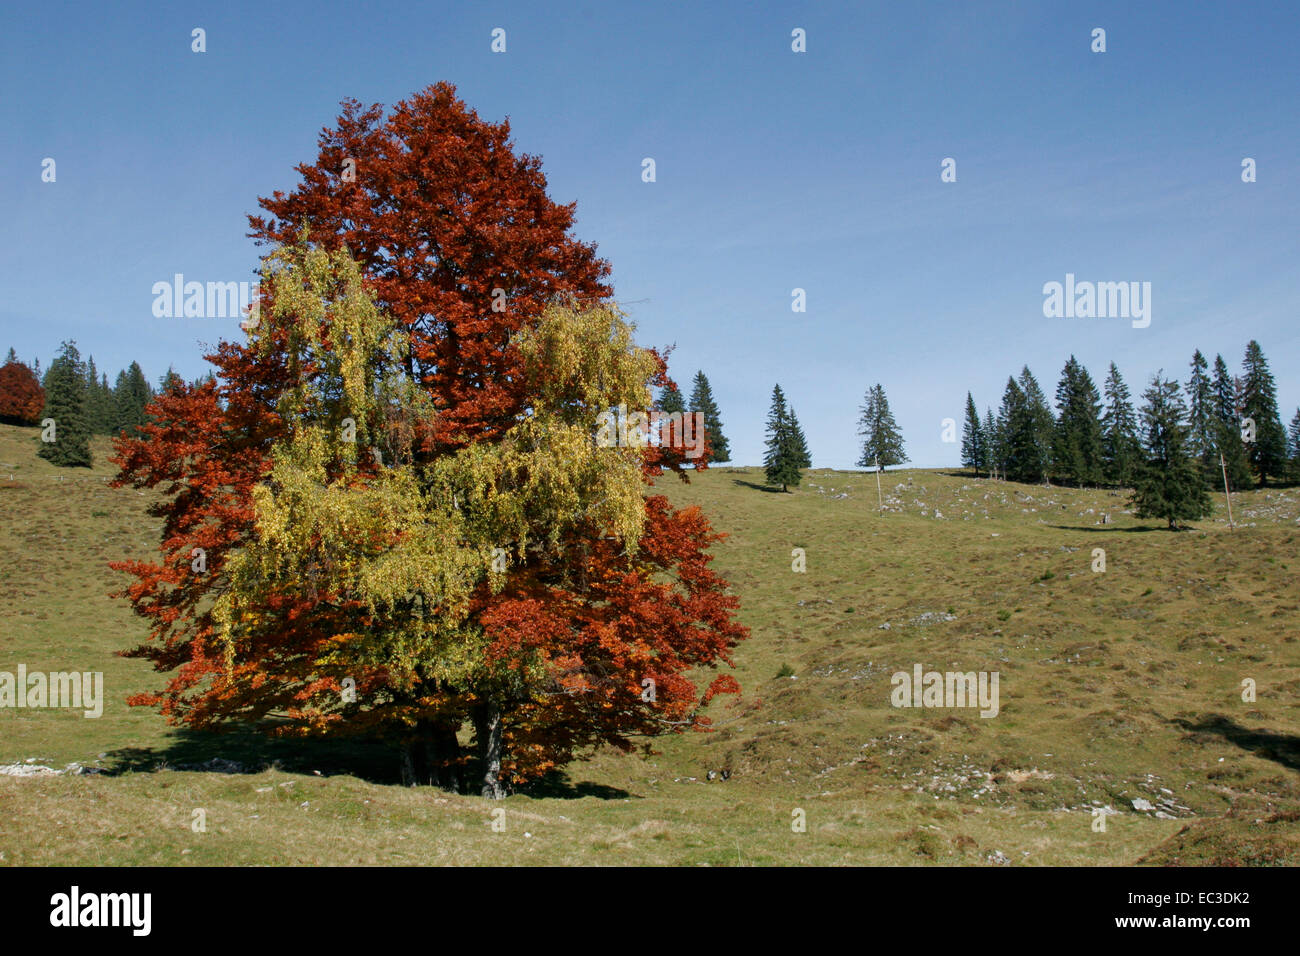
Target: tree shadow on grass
point(1283, 749)
point(558, 785)
point(1111, 529)
point(244, 750)
point(771, 489)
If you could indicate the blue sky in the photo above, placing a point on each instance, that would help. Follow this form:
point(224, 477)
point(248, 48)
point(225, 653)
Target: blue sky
point(775, 170)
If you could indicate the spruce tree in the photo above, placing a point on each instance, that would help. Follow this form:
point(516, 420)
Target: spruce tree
point(972, 438)
point(702, 401)
point(882, 443)
point(65, 403)
point(12, 356)
point(1169, 483)
point(1295, 446)
point(1025, 442)
point(1267, 453)
point(169, 381)
point(989, 429)
point(1200, 417)
point(1077, 439)
point(798, 442)
point(99, 402)
point(1042, 427)
point(781, 459)
point(670, 400)
point(1119, 439)
point(131, 394)
point(1227, 428)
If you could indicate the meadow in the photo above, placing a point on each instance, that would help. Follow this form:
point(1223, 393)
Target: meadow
point(1121, 697)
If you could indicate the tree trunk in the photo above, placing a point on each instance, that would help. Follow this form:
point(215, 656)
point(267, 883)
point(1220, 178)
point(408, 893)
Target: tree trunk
point(430, 757)
point(487, 728)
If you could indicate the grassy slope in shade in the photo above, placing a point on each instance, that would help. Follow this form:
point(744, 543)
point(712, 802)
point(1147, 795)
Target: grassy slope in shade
point(1114, 686)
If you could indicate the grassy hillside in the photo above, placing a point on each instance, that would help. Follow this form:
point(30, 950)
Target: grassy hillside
point(1115, 687)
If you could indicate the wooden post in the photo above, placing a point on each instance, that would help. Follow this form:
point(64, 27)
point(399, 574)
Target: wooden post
point(1226, 493)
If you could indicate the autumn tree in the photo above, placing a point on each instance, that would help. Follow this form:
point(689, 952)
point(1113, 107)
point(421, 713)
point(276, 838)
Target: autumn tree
point(471, 556)
point(21, 395)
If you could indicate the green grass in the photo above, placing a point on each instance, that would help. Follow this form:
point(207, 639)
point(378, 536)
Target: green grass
point(1114, 686)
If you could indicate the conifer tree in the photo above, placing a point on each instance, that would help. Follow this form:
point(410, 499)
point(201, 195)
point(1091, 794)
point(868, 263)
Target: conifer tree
point(1200, 417)
point(170, 380)
point(1120, 447)
point(702, 401)
point(99, 400)
point(1169, 483)
point(1294, 446)
point(972, 438)
point(1041, 427)
point(1077, 440)
point(1021, 435)
point(131, 394)
point(800, 443)
point(882, 443)
point(989, 429)
point(780, 460)
point(1227, 428)
point(65, 403)
point(670, 400)
point(1267, 453)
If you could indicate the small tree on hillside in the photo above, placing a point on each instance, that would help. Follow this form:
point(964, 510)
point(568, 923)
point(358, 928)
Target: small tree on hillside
point(781, 459)
point(1119, 441)
point(1200, 417)
point(1227, 428)
point(882, 442)
point(702, 402)
point(1169, 483)
point(1040, 426)
point(1267, 453)
point(131, 394)
point(1293, 446)
point(972, 438)
point(1077, 441)
point(992, 442)
point(65, 403)
point(800, 442)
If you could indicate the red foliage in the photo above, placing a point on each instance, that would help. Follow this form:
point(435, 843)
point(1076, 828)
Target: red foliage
point(440, 214)
point(21, 395)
